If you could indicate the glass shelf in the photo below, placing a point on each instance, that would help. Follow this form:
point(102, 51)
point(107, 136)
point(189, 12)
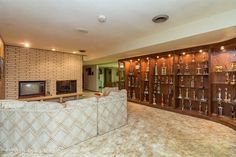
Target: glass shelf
point(131, 86)
point(192, 74)
point(165, 75)
point(166, 83)
point(223, 83)
point(205, 88)
point(225, 71)
point(196, 62)
point(231, 103)
point(198, 100)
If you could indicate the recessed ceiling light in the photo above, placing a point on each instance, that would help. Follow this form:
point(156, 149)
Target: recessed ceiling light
point(200, 51)
point(169, 55)
point(222, 47)
point(102, 18)
point(183, 53)
point(74, 52)
point(160, 18)
point(53, 49)
point(26, 44)
point(82, 30)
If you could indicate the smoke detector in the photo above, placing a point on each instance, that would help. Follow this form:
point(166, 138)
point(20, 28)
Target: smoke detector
point(102, 18)
point(160, 18)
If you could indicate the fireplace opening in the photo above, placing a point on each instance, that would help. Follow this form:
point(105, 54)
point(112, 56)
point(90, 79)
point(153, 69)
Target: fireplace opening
point(66, 86)
point(31, 89)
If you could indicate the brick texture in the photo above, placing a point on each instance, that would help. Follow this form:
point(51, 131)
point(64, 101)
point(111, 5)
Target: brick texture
point(2, 82)
point(28, 64)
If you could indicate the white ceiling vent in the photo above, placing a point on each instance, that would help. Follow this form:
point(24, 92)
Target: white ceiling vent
point(160, 18)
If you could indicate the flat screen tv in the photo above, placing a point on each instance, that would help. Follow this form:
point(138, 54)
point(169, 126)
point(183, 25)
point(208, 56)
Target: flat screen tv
point(31, 88)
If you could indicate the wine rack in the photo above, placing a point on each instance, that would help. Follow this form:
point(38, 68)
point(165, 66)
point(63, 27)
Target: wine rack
point(198, 81)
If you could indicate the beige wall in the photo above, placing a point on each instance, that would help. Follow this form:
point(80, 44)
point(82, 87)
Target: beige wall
point(2, 82)
point(28, 64)
point(115, 77)
point(90, 81)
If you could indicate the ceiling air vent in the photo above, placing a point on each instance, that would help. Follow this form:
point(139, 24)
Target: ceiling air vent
point(160, 18)
point(82, 51)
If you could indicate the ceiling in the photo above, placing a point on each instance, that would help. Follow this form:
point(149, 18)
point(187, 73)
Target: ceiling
point(128, 30)
point(109, 65)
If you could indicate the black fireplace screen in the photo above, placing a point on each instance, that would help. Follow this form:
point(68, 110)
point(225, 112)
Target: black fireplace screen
point(66, 86)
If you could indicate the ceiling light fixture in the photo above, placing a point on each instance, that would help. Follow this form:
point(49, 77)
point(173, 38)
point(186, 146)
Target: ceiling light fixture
point(183, 53)
point(222, 47)
point(102, 18)
point(82, 30)
point(200, 51)
point(169, 55)
point(26, 44)
point(53, 49)
point(160, 18)
point(74, 52)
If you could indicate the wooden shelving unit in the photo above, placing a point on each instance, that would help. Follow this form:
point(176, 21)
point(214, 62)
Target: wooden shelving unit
point(185, 81)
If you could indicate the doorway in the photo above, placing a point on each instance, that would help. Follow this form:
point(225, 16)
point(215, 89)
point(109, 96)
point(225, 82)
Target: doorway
point(107, 77)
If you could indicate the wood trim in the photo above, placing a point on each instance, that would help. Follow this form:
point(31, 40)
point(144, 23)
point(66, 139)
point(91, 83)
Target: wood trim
point(60, 97)
point(178, 51)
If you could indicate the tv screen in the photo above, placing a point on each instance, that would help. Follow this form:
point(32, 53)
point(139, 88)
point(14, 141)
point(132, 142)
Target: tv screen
point(32, 88)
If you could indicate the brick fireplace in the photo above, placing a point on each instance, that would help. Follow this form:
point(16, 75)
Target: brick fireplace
point(28, 64)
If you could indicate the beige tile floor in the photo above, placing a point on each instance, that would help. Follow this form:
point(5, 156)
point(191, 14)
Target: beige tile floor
point(153, 132)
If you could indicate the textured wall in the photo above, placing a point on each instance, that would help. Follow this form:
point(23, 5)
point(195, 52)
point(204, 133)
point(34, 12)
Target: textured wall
point(90, 81)
point(2, 83)
point(28, 64)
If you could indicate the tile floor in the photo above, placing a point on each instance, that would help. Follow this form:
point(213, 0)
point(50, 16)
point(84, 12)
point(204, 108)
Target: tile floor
point(153, 132)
